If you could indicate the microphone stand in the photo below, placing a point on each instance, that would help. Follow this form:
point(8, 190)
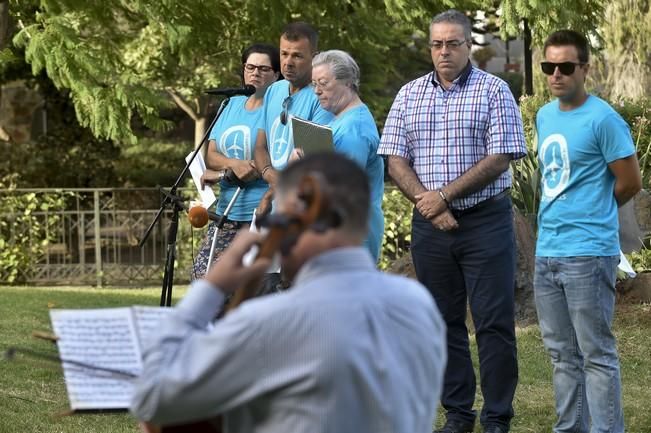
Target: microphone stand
point(222, 218)
point(171, 200)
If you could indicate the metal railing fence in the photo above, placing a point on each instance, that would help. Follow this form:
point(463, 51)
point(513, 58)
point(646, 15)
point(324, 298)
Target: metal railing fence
point(93, 237)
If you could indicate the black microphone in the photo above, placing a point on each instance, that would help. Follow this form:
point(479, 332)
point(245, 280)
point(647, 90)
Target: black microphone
point(231, 178)
point(247, 90)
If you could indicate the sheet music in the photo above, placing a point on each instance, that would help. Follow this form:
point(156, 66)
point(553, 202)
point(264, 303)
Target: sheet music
point(147, 321)
point(197, 168)
point(99, 337)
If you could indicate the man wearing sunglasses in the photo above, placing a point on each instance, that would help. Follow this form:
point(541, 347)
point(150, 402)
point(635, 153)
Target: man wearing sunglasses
point(450, 136)
point(589, 168)
point(292, 96)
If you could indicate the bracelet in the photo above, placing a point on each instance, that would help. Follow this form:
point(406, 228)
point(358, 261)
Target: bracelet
point(444, 197)
point(264, 169)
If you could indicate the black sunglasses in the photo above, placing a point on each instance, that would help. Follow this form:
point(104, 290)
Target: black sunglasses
point(284, 116)
point(566, 68)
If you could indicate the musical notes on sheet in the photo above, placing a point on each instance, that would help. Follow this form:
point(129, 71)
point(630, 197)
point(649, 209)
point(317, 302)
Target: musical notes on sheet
point(148, 321)
point(107, 338)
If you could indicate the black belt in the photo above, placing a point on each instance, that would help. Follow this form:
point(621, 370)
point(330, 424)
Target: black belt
point(482, 204)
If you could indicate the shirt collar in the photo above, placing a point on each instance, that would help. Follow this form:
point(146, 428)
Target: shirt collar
point(335, 261)
point(460, 80)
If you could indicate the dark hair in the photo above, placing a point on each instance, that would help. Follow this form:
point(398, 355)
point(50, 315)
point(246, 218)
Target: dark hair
point(269, 50)
point(453, 16)
point(298, 30)
point(347, 187)
point(569, 37)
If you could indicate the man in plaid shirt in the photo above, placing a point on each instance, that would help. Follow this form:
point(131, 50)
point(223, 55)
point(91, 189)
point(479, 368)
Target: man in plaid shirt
point(450, 137)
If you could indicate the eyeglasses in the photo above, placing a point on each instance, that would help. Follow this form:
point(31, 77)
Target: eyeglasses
point(321, 84)
point(284, 116)
point(250, 67)
point(566, 68)
point(453, 44)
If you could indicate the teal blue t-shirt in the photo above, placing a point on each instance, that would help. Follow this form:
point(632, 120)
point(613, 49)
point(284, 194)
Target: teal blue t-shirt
point(303, 104)
point(355, 135)
point(234, 134)
point(578, 210)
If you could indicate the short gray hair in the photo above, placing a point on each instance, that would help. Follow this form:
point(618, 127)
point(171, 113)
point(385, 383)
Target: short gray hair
point(343, 66)
point(453, 16)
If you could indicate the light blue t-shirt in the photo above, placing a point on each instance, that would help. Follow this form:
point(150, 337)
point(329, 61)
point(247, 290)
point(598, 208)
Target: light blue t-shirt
point(578, 210)
point(303, 104)
point(355, 135)
point(234, 134)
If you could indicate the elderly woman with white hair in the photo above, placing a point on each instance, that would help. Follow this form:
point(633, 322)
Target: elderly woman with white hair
point(335, 77)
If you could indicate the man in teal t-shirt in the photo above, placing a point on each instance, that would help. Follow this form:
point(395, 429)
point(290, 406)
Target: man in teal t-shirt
point(589, 168)
point(292, 96)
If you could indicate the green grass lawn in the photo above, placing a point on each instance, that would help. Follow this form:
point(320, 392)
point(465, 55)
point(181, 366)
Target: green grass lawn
point(32, 392)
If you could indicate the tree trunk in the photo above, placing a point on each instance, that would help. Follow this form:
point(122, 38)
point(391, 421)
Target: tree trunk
point(4, 41)
point(4, 23)
point(528, 58)
point(199, 130)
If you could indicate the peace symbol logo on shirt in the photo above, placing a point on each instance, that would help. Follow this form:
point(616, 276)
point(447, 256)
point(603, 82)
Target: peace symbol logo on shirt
point(555, 160)
point(235, 142)
point(281, 143)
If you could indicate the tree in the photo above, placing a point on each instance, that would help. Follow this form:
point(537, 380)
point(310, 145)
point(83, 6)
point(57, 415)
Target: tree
point(5, 33)
point(126, 58)
point(535, 20)
point(626, 33)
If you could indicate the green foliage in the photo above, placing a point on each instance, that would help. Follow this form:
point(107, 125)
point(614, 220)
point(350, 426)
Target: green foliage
point(515, 80)
point(640, 260)
point(638, 116)
point(526, 173)
point(151, 162)
point(545, 17)
point(626, 32)
point(120, 58)
point(397, 226)
point(67, 155)
point(23, 236)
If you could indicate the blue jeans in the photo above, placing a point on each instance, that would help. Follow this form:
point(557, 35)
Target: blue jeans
point(575, 300)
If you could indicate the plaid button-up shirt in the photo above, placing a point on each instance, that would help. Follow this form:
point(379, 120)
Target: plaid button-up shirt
point(443, 133)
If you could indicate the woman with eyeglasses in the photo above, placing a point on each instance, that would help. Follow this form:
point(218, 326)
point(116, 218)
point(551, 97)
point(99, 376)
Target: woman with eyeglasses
point(335, 77)
point(231, 146)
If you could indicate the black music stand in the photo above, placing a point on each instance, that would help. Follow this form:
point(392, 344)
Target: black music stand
point(175, 203)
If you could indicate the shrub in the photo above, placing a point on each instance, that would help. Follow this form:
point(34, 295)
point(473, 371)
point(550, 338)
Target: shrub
point(151, 162)
point(638, 116)
point(526, 173)
point(515, 80)
point(24, 236)
point(397, 226)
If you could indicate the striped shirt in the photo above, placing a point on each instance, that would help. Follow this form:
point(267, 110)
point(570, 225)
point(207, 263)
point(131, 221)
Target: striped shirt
point(443, 133)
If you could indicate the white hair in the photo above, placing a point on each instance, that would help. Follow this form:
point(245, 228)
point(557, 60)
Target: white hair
point(343, 66)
